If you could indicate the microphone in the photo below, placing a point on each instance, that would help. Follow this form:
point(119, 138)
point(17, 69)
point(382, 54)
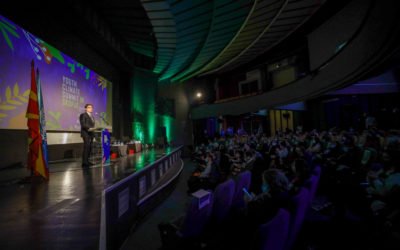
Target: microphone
point(101, 115)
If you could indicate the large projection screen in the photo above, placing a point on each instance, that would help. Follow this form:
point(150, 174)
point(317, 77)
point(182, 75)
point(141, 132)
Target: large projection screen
point(66, 84)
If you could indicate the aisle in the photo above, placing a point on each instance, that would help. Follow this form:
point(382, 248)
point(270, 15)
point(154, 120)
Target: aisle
point(146, 235)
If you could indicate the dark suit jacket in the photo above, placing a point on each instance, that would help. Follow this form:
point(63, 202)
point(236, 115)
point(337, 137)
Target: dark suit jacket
point(86, 123)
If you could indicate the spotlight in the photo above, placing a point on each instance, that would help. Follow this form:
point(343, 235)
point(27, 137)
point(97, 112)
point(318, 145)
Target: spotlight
point(199, 94)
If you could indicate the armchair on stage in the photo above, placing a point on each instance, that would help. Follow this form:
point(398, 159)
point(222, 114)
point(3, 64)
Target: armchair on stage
point(101, 145)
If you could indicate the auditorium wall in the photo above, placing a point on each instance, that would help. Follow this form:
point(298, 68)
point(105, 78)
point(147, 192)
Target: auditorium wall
point(159, 110)
point(143, 87)
point(181, 126)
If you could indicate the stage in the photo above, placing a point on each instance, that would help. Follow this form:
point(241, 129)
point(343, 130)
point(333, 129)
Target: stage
point(72, 210)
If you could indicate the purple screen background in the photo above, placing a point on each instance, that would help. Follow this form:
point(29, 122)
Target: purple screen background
point(66, 84)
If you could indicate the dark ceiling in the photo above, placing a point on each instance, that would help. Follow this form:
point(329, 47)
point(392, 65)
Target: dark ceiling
point(192, 38)
point(184, 38)
point(129, 20)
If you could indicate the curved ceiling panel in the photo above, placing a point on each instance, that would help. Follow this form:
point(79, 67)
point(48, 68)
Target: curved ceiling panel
point(164, 29)
point(204, 37)
point(193, 19)
point(292, 16)
point(228, 17)
point(260, 18)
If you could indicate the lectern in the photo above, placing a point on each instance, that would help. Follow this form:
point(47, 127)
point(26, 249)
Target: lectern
point(100, 146)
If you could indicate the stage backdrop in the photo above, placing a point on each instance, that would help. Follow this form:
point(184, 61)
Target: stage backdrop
point(66, 84)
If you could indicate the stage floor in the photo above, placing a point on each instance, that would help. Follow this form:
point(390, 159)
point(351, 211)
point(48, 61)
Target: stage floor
point(63, 213)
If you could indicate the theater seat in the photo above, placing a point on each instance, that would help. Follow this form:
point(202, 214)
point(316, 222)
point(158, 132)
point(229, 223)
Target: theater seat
point(186, 231)
point(317, 171)
point(243, 181)
point(273, 234)
point(298, 207)
point(311, 184)
point(223, 197)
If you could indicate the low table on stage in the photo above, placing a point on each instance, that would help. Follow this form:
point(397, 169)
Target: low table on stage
point(135, 145)
point(123, 149)
point(120, 149)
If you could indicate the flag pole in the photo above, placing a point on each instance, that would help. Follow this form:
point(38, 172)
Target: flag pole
point(35, 153)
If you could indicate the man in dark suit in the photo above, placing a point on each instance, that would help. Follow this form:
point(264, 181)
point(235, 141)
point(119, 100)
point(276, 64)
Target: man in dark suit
point(87, 121)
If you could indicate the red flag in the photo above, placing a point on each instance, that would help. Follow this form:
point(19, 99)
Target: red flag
point(35, 157)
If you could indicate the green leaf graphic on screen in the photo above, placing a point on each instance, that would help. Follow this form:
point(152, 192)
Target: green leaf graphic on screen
point(55, 115)
point(24, 97)
point(5, 107)
point(2, 115)
point(16, 89)
point(54, 120)
point(8, 93)
point(52, 125)
point(87, 71)
point(7, 28)
point(10, 103)
point(72, 67)
point(102, 82)
point(9, 96)
point(55, 53)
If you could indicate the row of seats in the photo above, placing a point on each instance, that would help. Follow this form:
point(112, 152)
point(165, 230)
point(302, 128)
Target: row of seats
point(277, 234)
